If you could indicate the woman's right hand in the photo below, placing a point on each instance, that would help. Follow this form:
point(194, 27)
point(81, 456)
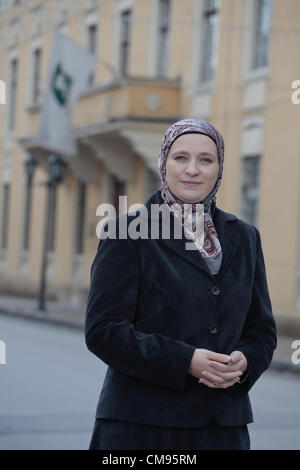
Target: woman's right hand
point(204, 360)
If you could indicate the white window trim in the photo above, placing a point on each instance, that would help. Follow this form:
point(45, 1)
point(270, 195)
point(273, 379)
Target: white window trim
point(14, 27)
point(91, 19)
point(91, 4)
point(252, 130)
point(35, 12)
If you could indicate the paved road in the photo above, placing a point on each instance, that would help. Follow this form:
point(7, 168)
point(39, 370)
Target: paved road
point(50, 384)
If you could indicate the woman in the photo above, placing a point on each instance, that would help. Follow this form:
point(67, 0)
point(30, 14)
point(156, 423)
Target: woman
point(186, 332)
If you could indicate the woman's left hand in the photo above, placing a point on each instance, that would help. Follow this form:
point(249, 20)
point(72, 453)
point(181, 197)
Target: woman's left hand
point(222, 377)
point(239, 360)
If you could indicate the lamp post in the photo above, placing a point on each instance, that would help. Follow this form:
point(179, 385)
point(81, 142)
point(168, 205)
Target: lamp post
point(30, 164)
point(57, 174)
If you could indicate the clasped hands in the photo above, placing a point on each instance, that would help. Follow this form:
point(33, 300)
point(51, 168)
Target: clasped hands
point(217, 370)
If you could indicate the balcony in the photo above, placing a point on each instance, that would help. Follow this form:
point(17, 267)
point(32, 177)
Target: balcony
point(112, 122)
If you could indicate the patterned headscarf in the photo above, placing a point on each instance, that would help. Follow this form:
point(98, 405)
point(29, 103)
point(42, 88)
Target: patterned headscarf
point(211, 247)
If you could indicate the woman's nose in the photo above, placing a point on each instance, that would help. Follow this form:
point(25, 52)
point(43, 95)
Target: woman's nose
point(192, 168)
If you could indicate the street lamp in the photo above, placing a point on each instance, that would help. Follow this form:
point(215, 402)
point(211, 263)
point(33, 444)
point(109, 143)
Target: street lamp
point(57, 172)
point(30, 164)
point(58, 169)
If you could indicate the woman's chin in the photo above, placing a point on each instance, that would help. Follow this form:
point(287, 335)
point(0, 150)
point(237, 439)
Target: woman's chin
point(190, 197)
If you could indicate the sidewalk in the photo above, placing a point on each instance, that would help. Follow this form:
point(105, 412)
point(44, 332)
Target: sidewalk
point(74, 317)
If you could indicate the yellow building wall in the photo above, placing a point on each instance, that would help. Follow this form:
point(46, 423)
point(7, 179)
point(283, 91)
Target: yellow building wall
point(223, 105)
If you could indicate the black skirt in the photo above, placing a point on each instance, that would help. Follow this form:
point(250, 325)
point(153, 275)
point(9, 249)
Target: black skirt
point(111, 434)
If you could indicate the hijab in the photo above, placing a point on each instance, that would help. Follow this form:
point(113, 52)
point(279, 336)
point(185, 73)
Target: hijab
point(191, 215)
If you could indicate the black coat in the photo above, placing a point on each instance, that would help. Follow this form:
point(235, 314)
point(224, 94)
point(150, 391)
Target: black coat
point(152, 302)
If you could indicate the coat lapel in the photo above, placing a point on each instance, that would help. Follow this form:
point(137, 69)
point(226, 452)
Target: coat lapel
point(227, 232)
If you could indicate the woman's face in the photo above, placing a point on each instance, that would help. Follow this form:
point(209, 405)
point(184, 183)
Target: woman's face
point(192, 167)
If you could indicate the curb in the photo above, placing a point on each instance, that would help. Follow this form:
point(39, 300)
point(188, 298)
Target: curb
point(283, 365)
point(280, 365)
point(44, 317)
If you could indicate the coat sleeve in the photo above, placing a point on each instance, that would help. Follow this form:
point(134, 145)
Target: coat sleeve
point(259, 337)
point(109, 326)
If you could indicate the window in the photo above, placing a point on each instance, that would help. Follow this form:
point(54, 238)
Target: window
point(261, 33)
point(80, 217)
point(52, 196)
point(118, 188)
point(4, 7)
point(36, 26)
point(163, 37)
point(92, 38)
point(209, 40)
point(13, 94)
point(152, 182)
point(250, 171)
point(27, 216)
point(36, 81)
point(125, 41)
point(14, 32)
point(92, 44)
point(62, 12)
point(91, 4)
point(5, 214)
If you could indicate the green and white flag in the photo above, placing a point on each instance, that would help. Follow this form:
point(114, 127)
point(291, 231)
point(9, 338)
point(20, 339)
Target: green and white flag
point(69, 70)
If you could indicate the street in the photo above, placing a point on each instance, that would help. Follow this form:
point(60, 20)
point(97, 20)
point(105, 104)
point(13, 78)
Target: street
point(51, 382)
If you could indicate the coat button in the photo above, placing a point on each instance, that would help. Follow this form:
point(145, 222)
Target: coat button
point(213, 330)
point(215, 290)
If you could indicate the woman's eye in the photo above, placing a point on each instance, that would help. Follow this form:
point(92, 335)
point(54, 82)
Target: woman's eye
point(180, 157)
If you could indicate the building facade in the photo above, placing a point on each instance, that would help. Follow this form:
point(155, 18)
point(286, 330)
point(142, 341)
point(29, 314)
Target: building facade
point(231, 62)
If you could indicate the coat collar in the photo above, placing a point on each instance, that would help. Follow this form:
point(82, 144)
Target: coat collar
point(227, 232)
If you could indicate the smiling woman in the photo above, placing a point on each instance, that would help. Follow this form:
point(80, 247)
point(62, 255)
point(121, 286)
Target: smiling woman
point(186, 333)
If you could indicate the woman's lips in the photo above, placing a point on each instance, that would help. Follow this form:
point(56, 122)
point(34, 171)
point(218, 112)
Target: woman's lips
point(190, 183)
